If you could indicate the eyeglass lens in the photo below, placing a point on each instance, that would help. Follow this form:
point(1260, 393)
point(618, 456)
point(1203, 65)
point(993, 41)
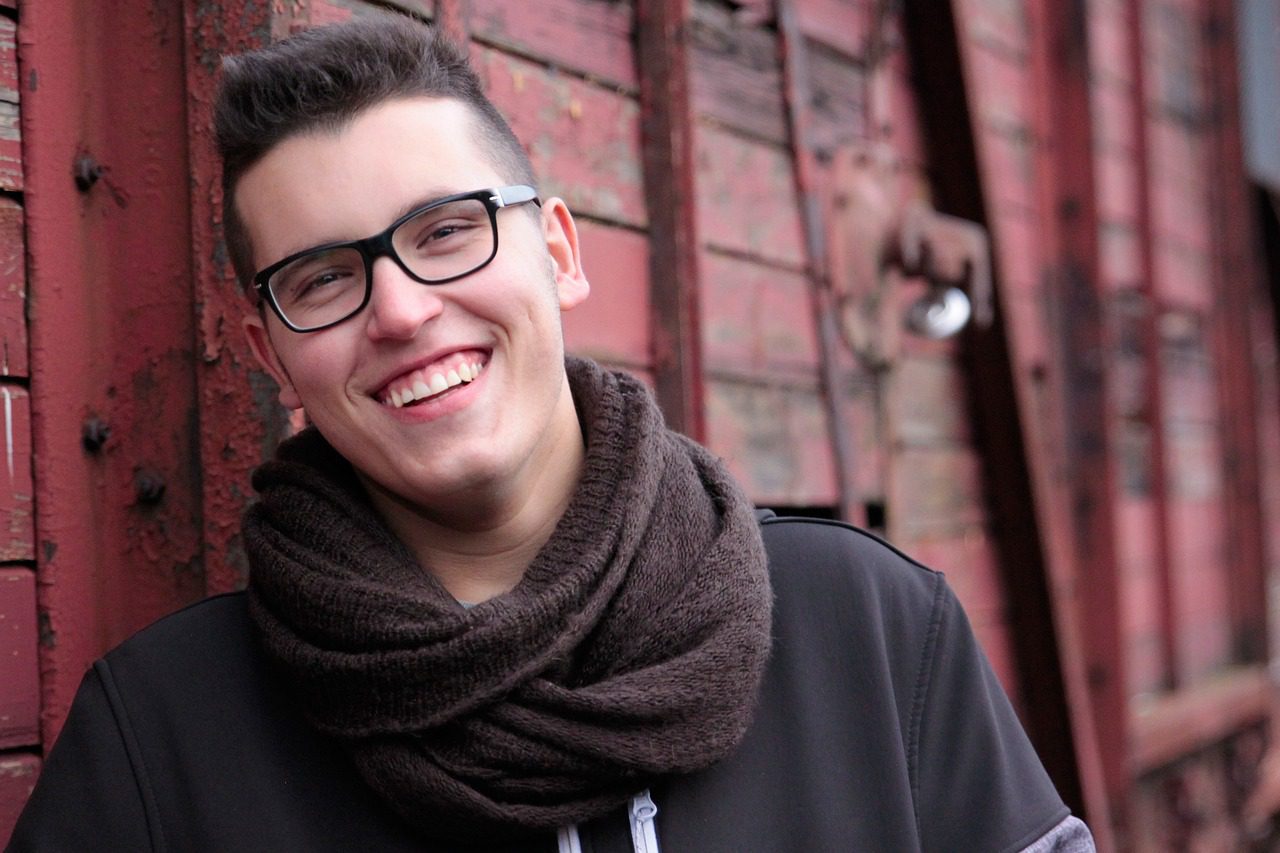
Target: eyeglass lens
point(440, 243)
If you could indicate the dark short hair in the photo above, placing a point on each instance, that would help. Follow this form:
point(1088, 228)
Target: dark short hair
point(322, 78)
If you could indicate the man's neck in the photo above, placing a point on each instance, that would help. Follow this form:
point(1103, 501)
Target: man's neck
point(481, 547)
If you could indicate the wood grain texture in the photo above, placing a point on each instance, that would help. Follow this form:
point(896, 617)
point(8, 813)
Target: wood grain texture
point(747, 198)
point(19, 660)
point(13, 290)
point(590, 37)
point(584, 140)
point(11, 173)
point(17, 534)
point(756, 319)
point(774, 440)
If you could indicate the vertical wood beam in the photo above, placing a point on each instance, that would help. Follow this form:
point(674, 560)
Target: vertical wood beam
point(1238, 288)
point(799, 97)
point(667, 127)
point(111, 330)
point(1153, 363)
point(1055, 698)
point(242, 421)
point(1077, 385)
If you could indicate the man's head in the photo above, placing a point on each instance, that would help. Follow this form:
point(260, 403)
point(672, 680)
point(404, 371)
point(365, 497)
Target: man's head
point(329, 158)
point(320, 79)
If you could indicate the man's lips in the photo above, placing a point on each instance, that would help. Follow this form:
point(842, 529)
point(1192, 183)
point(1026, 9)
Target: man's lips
point(434, 379)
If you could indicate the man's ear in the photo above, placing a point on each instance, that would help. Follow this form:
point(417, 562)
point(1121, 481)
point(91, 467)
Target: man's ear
point(562, 242)
point(255, 329)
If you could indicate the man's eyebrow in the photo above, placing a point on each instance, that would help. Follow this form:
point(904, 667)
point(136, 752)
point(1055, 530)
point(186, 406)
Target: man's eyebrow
point(431, 195)
point(426, 198)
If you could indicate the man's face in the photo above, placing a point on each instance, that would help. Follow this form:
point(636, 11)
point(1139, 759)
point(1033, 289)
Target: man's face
point(480, 438)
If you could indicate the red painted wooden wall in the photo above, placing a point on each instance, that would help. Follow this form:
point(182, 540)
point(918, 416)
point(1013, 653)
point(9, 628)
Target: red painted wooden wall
point(19, 657)
point(1089, 468)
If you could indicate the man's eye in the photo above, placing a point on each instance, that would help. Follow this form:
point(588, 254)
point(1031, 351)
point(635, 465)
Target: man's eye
point(312, 285)
point(440, 233)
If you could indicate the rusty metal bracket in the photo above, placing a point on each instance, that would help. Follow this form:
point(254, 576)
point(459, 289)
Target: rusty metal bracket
point(875, 233)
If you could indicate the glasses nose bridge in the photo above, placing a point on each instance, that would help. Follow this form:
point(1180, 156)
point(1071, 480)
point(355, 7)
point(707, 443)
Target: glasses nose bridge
point(382, 246)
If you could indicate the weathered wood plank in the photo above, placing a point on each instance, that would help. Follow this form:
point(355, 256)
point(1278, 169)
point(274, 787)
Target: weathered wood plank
point(737, 76)
point(16, 535)
point(13, 291)
point(1182, 275)
point(592, 37)
point(1008, 165)
point(837, 89)
point(1005, 100)
point(1141, 585)
point(10, 132)
point(1198, 557)
point(841, 24)
point(933, 490)
point(1016, 251)
point(1115, 124)
point(1195, 465)
point(927, 404)
point(584, 141)
point(1179, 200)
point(1120, 261)
point(756, 319)
point(8, 62)
point(1167, 729)
point(774, 440)
point(18, 775)
point(1117, 186)
point(747, 198)
point(1110, 45)
point(613, 324)
point(19, 661)
point(906, 129)
point(1186, 369)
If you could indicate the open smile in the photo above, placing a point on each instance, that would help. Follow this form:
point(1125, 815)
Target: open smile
point(434, 380)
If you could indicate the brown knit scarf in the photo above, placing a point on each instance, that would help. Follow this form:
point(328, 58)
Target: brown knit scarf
point(633, 647)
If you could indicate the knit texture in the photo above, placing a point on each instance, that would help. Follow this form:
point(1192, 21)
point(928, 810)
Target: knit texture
point(633, 647)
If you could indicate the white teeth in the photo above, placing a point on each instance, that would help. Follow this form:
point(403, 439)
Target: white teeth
point(423, 387)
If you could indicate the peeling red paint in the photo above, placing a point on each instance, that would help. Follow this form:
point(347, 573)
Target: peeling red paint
point(584, 140)
point(233, 435)
point(17, 533)
point(13, 291)
point(19, 667)
point(11, 177)
point(110, 327)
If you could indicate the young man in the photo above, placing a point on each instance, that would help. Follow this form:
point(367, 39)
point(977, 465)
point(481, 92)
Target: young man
point(494, 603)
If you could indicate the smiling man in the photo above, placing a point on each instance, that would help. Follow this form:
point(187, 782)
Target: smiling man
point(494, 604)
point(450, 401)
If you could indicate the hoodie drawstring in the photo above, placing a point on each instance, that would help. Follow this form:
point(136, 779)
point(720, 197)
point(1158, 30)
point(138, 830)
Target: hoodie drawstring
point(644, 832)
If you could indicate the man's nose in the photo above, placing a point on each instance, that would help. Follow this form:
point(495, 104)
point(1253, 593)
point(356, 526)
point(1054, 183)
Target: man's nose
point(398, 305)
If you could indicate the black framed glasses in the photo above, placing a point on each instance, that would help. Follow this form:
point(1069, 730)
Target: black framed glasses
point(439, 242)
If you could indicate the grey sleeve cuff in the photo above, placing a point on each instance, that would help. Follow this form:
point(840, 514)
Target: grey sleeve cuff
point(1069, 836)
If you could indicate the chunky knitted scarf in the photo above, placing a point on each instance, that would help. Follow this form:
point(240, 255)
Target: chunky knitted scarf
point(633, 647)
